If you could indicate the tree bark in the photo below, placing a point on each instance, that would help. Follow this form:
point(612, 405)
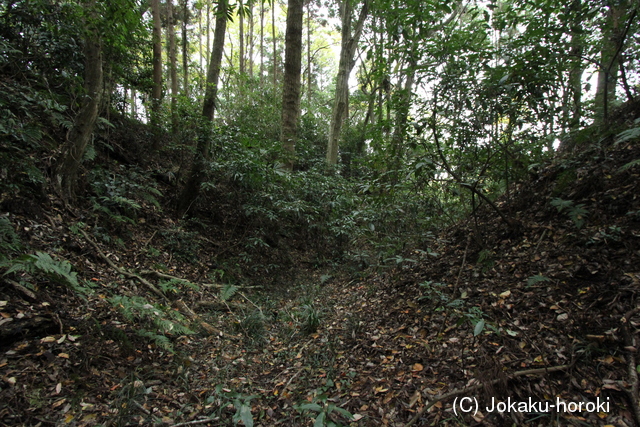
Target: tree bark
point(347, 51)
point(185, 48)
point(156, 92)
point(292, 80)
point(250, 40)
point(213, 75)
point(79, 136)
point(608, 71)
point(241, 31)
point(173, 66)
point(273, 36)
point(262, 41)
point(309, 54)
point(202, 155)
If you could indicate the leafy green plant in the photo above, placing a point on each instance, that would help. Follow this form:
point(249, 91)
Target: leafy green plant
point(629, 134)
point(9, 240)
point(228, 291)
point(434, 292)
point(629, 165)
point(321, 409)
point(485, 259)
point(311, 318)
point(577, 213)
point(253, 327)
point(60, 272)
point(119, 195)
point(224, 398)
point(533, 280)
point(158, 323)
point(173, 285)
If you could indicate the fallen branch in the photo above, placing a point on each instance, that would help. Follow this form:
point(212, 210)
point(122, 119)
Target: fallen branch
point(207, 327)
point(123, 272)
point(170, 277)
point(476, 387)
point(18, 287)
point(194, 422)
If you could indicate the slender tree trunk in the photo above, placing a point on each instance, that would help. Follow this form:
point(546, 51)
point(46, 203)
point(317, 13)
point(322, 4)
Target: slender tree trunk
point(347, 52)
point(208, 50)
point(402, 115)
point(201, 43)
point(251, 39)
point(134, 105)
point(242, 58)
point(292, 77)
point(215, 63)
point(191, 189)
point(273, 36)
point(575, 73)
point(309, 54)
point(608, 72)
point(173, 66)
point(262, 41)
point(66, 170)
point(185, 48)
point(156, 93)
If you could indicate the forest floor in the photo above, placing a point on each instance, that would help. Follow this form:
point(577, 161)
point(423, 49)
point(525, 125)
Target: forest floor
point(543, 309)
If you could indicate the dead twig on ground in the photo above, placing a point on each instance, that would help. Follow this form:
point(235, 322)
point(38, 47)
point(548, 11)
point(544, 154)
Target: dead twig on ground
point(123, 272)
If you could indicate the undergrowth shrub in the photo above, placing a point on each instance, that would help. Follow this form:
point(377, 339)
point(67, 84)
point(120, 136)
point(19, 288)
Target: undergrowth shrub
point(119, 195)
point(157, 323)
point(42, 265)
point(9, 240)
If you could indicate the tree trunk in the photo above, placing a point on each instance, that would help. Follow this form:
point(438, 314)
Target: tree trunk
point(156, 92)
point(347, 51)
point(201, 41)
point(250, 41)
point(273, 36)
point(66, 170)
point(208, 50)
point(191, 189)
point(213, 75)
point(402, 116)
point(608, 71)
point(262, 41)
point(309, 54)
point(185, 48)
point(241, 30)
point(173, 66)
point(292, 77)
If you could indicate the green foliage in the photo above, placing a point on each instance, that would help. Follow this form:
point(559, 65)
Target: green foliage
point(174, 285)
point(533, 280)
point(42, 264)
point(564, 181)
point(435, 293)
point(182, 243)
point(311, 317)
point(9, 240)
point(629, 165)
point(253, 327)
point(228, 291)
point(224, 398)
point(577, 213)
point(629, 134)
point(320, 409)
point(119, 195)
point(157, 323)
